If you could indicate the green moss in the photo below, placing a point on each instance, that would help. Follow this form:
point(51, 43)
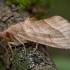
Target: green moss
point(8, 2)
point(23, 4)
point(36, 8)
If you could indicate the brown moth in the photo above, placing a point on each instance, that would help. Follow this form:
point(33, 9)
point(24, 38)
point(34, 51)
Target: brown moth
point(54, 32)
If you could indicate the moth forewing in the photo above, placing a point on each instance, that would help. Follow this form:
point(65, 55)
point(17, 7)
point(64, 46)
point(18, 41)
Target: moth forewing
point(42, 32)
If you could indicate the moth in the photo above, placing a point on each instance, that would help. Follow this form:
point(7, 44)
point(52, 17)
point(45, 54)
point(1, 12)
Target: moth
point(54, 32)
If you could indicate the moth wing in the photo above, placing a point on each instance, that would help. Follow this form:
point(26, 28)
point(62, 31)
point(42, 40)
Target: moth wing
point(60, 24)
point(45, 32)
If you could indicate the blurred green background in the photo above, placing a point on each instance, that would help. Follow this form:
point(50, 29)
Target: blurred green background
point(60, 57)
point(60, 7)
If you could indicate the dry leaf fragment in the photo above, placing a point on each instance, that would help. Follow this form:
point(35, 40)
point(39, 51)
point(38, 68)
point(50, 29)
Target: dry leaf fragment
point(54, 32)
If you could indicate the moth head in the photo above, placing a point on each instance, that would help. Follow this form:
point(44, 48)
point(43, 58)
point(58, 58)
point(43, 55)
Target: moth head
point(5, 35)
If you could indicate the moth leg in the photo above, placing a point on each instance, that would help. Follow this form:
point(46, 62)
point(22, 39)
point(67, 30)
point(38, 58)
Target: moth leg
point(20, 42)
point(23, 38)
point(35, 47)
point(9, 44)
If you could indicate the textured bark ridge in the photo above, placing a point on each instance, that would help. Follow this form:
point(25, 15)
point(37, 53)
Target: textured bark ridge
point(38, 60)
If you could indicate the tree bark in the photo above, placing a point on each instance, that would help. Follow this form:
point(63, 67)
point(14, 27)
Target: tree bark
point(38, 60)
